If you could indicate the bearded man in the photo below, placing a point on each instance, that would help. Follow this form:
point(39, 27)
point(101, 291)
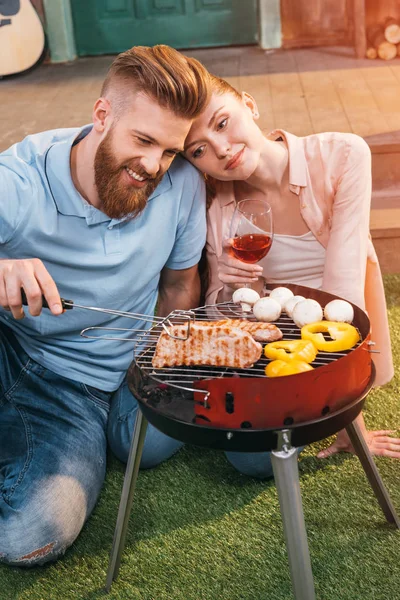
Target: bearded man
point(107, 216)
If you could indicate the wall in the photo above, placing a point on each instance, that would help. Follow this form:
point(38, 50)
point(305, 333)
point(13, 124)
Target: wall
point(376, 11)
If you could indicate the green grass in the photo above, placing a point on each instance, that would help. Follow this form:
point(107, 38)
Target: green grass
point(201, 531)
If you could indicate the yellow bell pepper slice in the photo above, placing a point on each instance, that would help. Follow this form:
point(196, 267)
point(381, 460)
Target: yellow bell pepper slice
point(278, 368)
point(344, 336)
point(289, 350)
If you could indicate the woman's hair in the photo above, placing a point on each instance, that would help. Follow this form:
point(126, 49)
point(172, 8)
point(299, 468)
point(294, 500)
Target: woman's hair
point(218, 86)
point(176, 82)
point(221, 86)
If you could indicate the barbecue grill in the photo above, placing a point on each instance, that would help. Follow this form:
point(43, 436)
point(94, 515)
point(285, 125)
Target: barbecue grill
point(243, 410)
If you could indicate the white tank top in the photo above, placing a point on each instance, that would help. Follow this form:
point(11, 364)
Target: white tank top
point(295, 259)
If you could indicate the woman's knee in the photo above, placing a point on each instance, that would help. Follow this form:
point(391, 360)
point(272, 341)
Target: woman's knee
point(253, 464)
point(157, 448)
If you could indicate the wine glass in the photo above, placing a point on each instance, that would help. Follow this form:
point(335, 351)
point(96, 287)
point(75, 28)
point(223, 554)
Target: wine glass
point(251, 230)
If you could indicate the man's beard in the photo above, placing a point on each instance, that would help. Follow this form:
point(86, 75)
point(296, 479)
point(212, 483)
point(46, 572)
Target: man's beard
point(117, 199)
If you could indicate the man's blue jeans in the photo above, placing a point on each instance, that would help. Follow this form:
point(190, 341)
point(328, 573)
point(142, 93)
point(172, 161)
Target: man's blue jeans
point(53, 437)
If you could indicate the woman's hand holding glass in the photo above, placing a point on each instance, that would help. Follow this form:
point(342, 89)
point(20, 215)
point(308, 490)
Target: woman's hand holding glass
point(251, 238)
point(233, 272)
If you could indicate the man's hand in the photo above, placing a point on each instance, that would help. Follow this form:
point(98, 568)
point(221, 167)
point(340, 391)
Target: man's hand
point(31, 275)
point(380, 443)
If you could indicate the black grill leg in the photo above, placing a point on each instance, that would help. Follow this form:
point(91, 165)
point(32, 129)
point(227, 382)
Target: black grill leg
point(371, 471)
point(128, 490)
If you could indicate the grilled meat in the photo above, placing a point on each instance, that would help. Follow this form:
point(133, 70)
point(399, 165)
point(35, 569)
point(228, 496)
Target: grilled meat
point(208, 344)
point(262, 332)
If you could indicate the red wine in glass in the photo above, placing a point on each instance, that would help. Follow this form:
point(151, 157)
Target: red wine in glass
point(251, 230)
point(252, 247)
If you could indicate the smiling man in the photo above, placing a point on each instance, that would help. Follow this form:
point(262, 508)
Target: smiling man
point(105, 215)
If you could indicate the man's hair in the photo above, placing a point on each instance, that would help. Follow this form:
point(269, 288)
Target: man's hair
point(176, 82)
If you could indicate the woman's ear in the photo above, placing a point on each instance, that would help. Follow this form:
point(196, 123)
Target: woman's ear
point(101, 113)
point(250, 103)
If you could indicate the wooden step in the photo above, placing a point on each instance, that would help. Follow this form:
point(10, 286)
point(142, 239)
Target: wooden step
point(385, 204)
point(385, 150)
point(385, 233)
point(382, 143)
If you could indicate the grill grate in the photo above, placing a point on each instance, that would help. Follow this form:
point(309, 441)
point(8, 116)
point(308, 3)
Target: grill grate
point(183, 377)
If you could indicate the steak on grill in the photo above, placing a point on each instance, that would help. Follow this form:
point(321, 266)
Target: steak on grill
point(209, 343)
point(262, 332)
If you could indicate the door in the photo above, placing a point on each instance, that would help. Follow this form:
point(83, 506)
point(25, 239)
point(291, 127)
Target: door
point(316, 22)
point(112, 26)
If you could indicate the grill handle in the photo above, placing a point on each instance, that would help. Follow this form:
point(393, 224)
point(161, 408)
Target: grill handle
point(187, 315)
point(66, 304)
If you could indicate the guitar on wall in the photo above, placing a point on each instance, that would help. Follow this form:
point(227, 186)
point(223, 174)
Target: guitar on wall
point(22, 39)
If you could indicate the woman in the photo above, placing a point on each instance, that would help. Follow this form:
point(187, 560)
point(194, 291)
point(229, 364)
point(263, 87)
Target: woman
point(319, 188)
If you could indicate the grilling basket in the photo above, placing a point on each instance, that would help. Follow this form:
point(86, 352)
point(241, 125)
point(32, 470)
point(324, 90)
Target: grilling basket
point(230, 408)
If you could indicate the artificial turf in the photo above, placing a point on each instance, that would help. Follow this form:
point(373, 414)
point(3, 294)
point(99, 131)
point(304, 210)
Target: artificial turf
point(201, 531)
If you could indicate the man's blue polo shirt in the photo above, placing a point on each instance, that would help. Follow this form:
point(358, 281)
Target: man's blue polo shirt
point(94, 260)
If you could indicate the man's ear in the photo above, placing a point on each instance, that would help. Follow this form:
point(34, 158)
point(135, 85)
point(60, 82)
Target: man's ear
point(101, 114)
point(250, 103)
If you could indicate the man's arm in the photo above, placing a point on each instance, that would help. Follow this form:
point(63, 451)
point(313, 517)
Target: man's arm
point(179, 290)
point(17, 189)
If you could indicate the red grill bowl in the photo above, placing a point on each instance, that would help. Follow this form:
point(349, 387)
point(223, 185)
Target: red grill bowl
point(243, 402)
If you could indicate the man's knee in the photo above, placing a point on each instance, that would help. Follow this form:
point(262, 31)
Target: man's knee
point(38, 530)
point(35, 557)
point(157, 448)
point(121, 422)
point(34, 544)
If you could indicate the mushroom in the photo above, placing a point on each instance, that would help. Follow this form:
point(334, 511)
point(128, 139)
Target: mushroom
point(281, 294)
point(267, 309)
point(291, 303)
point(307, 311)
point(339, 310)
point(246, 297)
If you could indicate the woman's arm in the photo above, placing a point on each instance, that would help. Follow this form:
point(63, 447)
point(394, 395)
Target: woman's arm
point(213, 246)
point(345, 268)
point(346, 253)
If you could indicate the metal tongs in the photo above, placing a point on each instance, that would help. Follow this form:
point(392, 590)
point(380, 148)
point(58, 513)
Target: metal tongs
point(187, 316)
